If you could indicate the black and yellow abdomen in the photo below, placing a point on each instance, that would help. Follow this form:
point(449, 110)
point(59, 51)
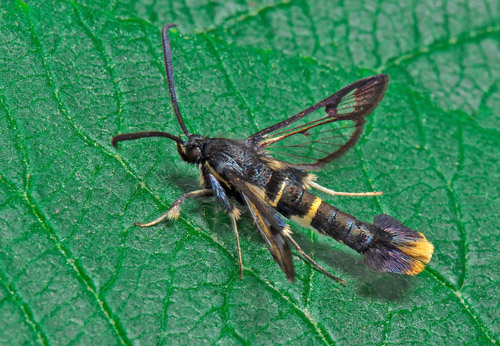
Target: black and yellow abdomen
point(308, 210)
point(387, 244)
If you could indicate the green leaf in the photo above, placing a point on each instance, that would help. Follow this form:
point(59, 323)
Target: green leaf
point(74, 269)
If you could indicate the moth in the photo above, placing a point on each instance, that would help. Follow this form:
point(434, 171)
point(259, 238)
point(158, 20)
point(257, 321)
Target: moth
point(270, 173)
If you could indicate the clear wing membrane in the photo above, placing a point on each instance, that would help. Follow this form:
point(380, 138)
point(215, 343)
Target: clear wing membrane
point(309, 139)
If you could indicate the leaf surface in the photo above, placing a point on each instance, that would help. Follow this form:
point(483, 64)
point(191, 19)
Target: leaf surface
point(74, 269)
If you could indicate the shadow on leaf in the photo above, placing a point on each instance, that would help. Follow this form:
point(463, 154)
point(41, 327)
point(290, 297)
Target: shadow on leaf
point(373, 284)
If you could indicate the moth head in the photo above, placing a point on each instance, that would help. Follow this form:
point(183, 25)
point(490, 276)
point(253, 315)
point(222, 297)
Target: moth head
point(190, 151)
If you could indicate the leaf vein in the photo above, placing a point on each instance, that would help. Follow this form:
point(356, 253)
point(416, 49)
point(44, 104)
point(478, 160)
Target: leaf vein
point(26, 310)
point(117, 93)
point(18, 142)
point(233, 87)
point(242, 17)
point(449, 190)
point(79, 271)
point(440, 45)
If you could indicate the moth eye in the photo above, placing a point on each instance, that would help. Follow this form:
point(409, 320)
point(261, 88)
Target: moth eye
point(194, 153)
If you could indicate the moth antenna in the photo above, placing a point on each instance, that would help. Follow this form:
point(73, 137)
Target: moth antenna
point(397, 248)
point(167, 55)
point(137, 135)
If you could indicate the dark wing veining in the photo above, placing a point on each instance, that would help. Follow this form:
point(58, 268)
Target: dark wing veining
point(309, 139)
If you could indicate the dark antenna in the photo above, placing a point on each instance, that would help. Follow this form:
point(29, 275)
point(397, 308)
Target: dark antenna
point(173, 98)
point(167, 54)
point(137, 135)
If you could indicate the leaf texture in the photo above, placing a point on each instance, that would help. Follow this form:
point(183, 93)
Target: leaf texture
point(74, 269)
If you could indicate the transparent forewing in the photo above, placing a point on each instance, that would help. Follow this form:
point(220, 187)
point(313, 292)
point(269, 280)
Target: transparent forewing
point(325, 130)
point(316, 143)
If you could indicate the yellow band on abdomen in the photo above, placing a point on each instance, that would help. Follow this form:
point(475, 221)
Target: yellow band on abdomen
point(305, 220)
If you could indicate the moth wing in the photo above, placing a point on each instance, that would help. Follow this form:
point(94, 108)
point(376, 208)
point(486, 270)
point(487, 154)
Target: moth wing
point(271, 227)
point(309, 139)
point(275, 241)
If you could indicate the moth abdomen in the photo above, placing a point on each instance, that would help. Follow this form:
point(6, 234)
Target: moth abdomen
point(397, 248)
point(311, 211)
point(387, 245)
point(343, 227)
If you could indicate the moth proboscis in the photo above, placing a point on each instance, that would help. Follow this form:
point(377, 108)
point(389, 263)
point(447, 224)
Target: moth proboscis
point(269, 172)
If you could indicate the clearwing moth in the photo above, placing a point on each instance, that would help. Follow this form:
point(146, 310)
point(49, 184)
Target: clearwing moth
point(277, 188)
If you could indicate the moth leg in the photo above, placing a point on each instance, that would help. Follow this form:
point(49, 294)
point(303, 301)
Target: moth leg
point(233, 212)
point(236, 234)
point(175, 209)
point(310, 260)
point(221, 195)
point(318, 187)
